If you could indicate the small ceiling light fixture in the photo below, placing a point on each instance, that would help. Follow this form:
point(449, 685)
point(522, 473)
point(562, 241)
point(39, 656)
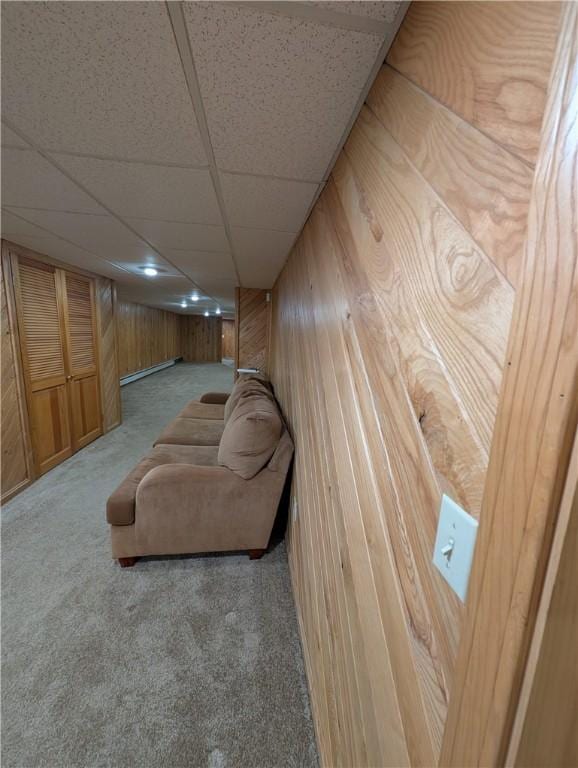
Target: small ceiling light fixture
point(206, 313)
point(218, 311)
point(150, 271)
point(183, 304)
point(195, 297)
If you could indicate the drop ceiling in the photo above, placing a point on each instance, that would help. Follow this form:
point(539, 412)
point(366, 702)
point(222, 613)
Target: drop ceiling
point(192, 137)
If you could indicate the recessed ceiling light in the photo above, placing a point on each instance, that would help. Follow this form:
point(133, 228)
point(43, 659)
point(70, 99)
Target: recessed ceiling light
point(206, 312)
point(195, 297)
point(218, 311)
point(150, 271)
point(183, 304)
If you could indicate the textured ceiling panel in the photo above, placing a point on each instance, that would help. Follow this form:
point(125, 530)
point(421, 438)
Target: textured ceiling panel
point(260, 255)
point(10, 139)
point(100, 90)
point(175, 234)
point(201, 264)
point(100, 78)
point(255, 201)
point(147, 191)
point(102, 235)
point(31, 181)
point(386, 10)
point(278, 92)
point(18, 231)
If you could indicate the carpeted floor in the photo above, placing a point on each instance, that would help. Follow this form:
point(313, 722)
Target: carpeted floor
point(176, 662)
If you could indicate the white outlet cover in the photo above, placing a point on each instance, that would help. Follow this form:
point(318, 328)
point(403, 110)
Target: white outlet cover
point(455, 525)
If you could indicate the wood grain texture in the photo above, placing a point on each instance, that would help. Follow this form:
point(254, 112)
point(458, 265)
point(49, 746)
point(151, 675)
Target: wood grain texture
point(482, 184)
point(488, 62)
point(535, 426)
point(390, 326)
point(545, 731)
point(17, 467)
point(253, 317)
point(40, 300)
point(108, 353)
point(145, 336)
point(390, 329)
point(228, 335)
point(201, 339)
point(83, 390)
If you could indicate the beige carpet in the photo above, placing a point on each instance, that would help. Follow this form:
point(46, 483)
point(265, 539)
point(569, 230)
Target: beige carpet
point(176, 662)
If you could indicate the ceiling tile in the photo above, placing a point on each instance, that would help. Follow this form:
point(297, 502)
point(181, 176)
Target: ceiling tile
point(260, 255)
point(23, 233)
point(98, 78)
point(31, 181)
point(254, 201)
point(278, 92)
point(164, 268)
point(222, 290)
point(147, 191)
point(200, 264)
point(177, 234)
point(10, 139)
point(383, 10)
point(102, 235)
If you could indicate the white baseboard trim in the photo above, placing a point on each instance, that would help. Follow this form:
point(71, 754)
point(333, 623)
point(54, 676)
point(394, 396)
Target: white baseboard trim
point(147, 371)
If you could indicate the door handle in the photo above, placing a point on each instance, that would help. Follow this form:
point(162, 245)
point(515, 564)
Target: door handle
point(69, 378)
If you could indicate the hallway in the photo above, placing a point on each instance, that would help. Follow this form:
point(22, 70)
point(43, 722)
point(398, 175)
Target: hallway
point(176, 662)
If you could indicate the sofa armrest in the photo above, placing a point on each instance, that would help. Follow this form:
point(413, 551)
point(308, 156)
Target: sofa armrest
point(212, 507)
point(217, 398)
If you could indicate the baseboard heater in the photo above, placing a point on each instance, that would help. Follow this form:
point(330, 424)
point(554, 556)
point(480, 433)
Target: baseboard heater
point(147, 371)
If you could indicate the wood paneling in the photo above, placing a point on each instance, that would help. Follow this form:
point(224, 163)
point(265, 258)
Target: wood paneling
point(253, 317)
point(17, 470)
point(545, 732)
point(488, 62)
point(535, 426)
point(389, 336)
point(86, 351)
point(201, 338)
point(108, 353)
point(83, 377)
point(228, 336)
point(39, 301)
point(145, 337)
point(449, 153)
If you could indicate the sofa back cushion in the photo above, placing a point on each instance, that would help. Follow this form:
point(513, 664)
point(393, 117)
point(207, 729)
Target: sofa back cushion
point(251, 435)
point(246, 384)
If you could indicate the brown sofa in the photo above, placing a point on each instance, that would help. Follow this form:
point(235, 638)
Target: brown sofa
point(186, 498)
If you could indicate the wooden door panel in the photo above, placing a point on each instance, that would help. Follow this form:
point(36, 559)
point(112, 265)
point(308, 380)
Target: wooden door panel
point(83, 386)
point(40, 320)
point(50, 427)
point(85, 410)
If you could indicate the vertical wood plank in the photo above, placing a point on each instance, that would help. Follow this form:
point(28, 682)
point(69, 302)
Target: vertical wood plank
point(531, 447)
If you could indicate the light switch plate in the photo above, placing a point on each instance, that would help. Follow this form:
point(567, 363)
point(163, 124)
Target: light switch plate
point(454, 547)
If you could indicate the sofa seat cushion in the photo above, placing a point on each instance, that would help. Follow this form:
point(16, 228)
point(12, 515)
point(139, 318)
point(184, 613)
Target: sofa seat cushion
point(191, 432)
point(251, 435)
point(120, 506)
point(198, 410)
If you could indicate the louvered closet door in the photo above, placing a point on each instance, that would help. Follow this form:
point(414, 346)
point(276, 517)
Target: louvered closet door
point(81, 359)
point(44, 362)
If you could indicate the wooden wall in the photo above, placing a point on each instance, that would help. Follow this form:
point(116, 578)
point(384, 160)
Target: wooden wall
point(145, 336)
point(389, 333)
point(17, 463)
point(201, 339)
point(549, 702)
point(105, 294)
point(18, 469)
point(252, 323)
point(228, 336)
